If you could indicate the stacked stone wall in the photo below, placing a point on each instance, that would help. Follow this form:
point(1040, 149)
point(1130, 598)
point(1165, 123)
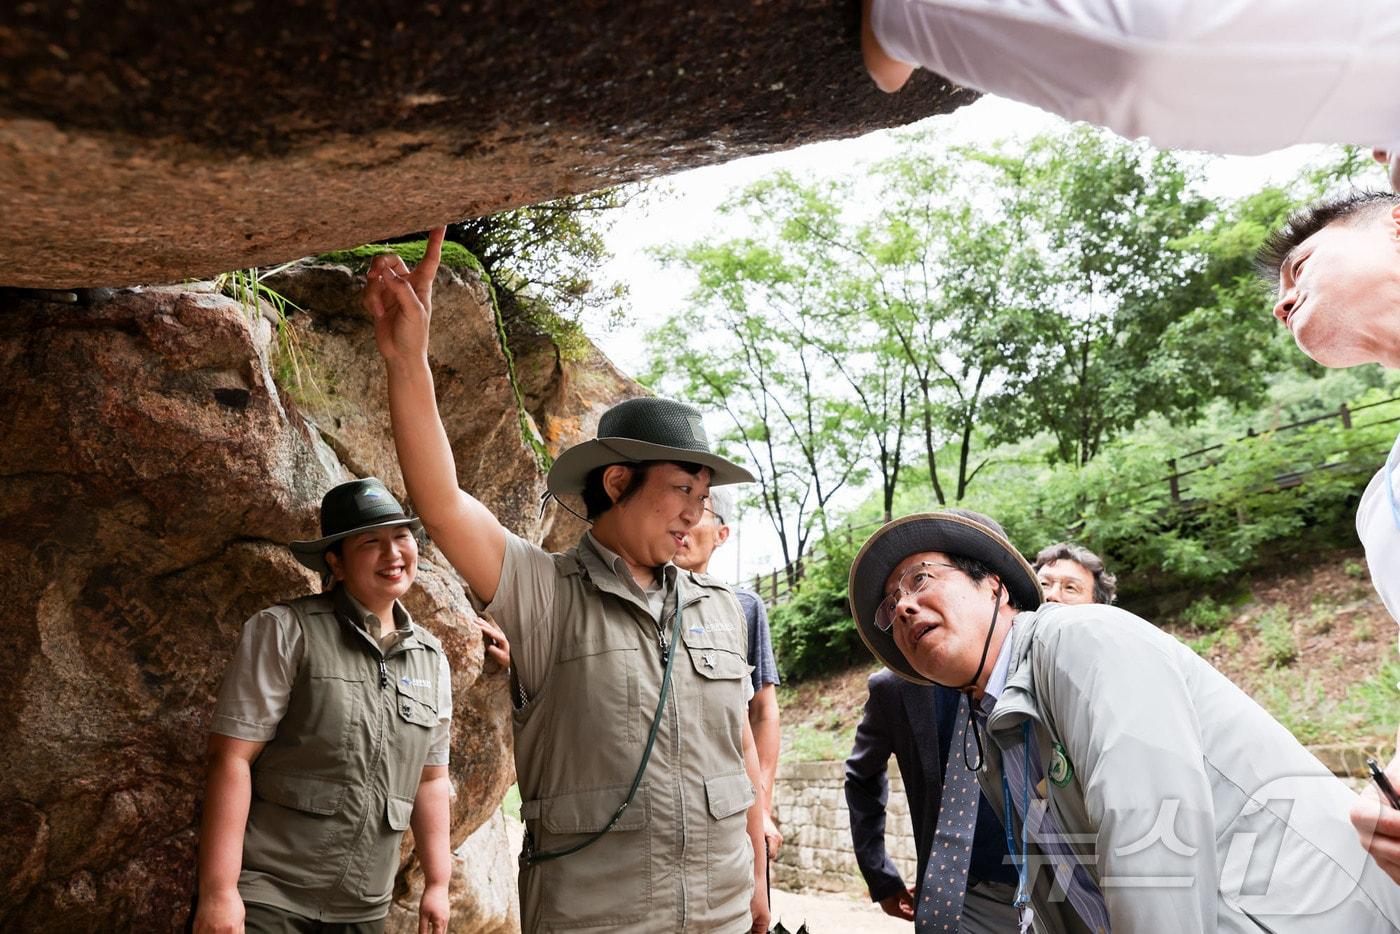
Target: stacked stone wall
point(810, 807)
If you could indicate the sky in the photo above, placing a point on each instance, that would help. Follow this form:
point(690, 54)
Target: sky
point(683, 209)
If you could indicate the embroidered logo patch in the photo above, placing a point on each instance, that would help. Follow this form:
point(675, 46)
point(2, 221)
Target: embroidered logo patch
point(415, 682)
point(1060, 771)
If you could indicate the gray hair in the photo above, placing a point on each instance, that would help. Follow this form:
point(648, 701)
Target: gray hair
point(722, 505)
point(1105, 584)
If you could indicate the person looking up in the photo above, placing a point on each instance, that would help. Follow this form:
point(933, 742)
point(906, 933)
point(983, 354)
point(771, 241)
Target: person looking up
point(1073, 574)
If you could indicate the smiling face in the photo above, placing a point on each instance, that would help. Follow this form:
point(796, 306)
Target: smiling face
point(647, 528)
point(1339, 291)
point(377, 566)
point(1066, 581)
point(942, 628)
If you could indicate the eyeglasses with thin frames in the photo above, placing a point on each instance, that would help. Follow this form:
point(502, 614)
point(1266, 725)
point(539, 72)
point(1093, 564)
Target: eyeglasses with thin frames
point(914, 580)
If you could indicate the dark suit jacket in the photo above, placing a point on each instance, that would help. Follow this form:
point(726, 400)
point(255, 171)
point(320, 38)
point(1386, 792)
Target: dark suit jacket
point(914, 723)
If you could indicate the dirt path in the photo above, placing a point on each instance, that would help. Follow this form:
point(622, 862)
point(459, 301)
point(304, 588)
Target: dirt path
point(834, 914)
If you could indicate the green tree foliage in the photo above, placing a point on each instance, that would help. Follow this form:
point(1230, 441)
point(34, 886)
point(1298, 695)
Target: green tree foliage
point(1128, 322)
point(1073, 318)
point(749, 345)
point(551, 251)
point(812, 631)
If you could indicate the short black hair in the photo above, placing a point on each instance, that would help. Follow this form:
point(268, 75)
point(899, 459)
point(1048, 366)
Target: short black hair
point(1306, 221)
point(596, 500)
point(1105, 584)
point(979, 571)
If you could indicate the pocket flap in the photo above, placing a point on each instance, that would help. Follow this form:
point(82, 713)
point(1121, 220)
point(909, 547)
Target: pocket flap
point(589, 811)
point(415, 706)
point(310, 793)
point(718, 663)
point(729, 794)
point(398, 812)
point(596, 643)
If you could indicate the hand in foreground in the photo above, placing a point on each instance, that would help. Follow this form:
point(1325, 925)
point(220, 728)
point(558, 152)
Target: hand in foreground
point(1378, 824)
point(497, 648)
point(900, 905)
point(433, 910)
point(772, 836)
point(1391, 160)
point(221, 913)
point(401, 300)
point(758, 910)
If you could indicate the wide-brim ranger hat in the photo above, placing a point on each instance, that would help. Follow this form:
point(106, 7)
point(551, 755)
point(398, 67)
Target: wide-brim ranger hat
point(645, 429)
point(348, 509)
point(961, 532)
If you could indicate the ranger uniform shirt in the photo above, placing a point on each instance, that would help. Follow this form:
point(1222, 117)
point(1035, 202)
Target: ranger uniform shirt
point(258, 682)
point(345, 744)
point(588, 651)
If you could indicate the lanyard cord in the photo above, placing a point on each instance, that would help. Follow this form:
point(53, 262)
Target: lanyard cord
point(528, 856)
point(1023, 897)
point(967, 689)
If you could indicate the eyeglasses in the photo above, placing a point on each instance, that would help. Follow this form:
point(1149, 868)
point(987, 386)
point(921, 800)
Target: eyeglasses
point(914, 580)
point(719, 520)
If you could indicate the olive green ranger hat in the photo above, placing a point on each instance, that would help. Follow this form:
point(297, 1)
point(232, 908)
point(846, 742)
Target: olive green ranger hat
point(645, 429)
point(348, 509)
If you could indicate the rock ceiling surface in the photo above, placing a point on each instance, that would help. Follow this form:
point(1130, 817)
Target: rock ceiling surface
point(144, 142)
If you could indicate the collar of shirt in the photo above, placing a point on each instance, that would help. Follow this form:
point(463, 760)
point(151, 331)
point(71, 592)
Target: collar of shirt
point(653, 597)
point(996, 683)
point(369, 622)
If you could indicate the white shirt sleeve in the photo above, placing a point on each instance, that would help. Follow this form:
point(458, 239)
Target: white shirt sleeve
point(1236, 76)
point(1376, 527)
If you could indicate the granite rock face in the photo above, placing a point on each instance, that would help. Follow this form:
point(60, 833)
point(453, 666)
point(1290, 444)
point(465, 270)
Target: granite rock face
point(153, 142)
point(151, 473)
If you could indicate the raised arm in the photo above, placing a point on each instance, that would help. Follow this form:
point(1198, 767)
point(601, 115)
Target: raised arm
point(401, 301)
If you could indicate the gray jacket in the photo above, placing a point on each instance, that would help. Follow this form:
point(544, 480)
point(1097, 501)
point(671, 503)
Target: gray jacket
point(1193, 809)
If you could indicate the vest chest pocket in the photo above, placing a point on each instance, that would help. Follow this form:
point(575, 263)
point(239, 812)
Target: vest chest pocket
point(721, 669)
point(312, 794)
point(599, 678)
point(415, 704)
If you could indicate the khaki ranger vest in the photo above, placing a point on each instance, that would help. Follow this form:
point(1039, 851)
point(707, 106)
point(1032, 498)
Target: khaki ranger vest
point(679, 859)
point(334, 789)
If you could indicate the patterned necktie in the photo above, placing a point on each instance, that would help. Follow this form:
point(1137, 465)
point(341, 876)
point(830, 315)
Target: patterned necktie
point(945, 879)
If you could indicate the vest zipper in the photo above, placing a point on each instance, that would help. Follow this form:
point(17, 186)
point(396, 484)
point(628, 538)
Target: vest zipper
point(383, 674)
point(661, 644)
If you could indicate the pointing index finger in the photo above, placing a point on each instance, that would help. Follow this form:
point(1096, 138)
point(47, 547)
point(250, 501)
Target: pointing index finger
point(433, 254)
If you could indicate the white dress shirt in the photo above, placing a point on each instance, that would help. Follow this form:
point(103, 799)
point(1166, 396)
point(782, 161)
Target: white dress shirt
point(1378, 527)
point(1233, 76)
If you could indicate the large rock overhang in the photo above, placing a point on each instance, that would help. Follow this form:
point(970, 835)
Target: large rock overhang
point(144, 142)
